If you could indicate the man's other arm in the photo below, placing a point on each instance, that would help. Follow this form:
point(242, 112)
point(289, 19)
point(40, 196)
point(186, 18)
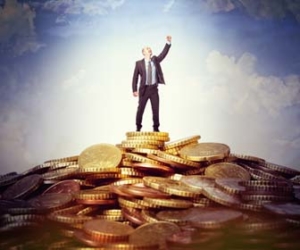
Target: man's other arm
point(135, 80)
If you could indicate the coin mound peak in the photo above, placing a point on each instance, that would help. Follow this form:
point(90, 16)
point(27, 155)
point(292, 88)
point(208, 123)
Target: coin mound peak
point(100, 156)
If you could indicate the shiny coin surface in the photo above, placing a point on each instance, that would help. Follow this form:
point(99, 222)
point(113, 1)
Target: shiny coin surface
point(221, 197)
point(150, 167)
point(231, 185)
point(152, 234)
point(50, 201)
point(107, 231)
point(66, 186)
point(198, 182)
point(172, 187)
point(23, 187)
point(211, 217)
point(227, 170)
point(86, 239)
point(141, 190)
point(205, 151)
point(182, 142)
point(287, 209)
point(100, 156)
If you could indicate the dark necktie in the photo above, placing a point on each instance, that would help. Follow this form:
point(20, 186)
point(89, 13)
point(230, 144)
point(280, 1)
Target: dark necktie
point(149, 82)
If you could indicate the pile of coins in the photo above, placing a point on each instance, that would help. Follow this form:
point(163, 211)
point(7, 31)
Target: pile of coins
point(152, 193)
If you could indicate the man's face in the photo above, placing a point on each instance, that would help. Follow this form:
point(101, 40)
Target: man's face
point(147, 51)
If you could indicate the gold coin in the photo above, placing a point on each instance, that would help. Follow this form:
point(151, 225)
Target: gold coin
point(69, 218)
point(131, 172)
point(140, 158)
point(104, 176)
point(130, 203)
point(227, 170)
point(146, 133)
point(127, 246)
point(94, 194)
point(149, 137)
point(131, 146)
point(174, 216)
point(149, 215)
point(170, 163)
point(172, 187)
point(147, 142)
point(205, 151)
point(100, 156)
point(177, 159)
point(61, 174)
point(88, 210)
point(248, 158)
point(182, 142)
point(110, 217)
point(107, 231)
point(153, 234)
point(145, 151)
point(169, 203)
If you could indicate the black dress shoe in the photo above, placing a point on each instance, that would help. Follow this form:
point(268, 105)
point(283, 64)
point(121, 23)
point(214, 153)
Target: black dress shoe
point(156, 130)
point(138, 129)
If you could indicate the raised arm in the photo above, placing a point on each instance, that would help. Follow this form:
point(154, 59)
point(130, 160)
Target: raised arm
point(165, 51)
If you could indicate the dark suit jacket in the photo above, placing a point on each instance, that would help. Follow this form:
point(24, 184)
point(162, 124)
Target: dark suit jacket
point(140, 70)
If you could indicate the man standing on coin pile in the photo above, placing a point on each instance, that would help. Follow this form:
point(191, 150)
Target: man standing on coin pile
point(150, 73)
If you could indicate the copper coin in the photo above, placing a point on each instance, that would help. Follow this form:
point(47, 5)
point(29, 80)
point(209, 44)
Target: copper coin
point(86, 239)
point(151, 234)
point(133, 215)
point(119, 190)
point(141, 190)
point(23, 187)
point(107, 231)
point(153, 167)
point(96, 201)
point(66, 186)
point(180, 238)
point(51, 201)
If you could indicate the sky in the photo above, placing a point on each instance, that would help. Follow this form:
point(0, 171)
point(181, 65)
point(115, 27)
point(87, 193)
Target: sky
point(232, 75)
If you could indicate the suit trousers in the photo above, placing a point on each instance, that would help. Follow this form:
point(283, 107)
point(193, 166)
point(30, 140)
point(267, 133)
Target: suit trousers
point(151, 92)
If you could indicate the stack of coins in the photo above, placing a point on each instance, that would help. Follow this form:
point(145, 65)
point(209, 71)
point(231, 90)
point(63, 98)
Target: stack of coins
point(152, 193)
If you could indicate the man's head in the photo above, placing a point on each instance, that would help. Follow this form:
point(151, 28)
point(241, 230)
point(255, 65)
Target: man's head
point(147, 52)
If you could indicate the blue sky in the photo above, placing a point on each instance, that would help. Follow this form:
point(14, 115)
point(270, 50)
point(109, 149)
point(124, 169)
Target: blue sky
point(233, 75)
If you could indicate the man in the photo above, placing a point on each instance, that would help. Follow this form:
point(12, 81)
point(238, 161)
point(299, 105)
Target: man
point(150, 73)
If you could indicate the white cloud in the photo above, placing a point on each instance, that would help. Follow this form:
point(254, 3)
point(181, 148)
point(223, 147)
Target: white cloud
point(75, 80)
point(169, 5)
point(87, 7)
point(295, 144)
point(265, 9)
point(236, 81)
